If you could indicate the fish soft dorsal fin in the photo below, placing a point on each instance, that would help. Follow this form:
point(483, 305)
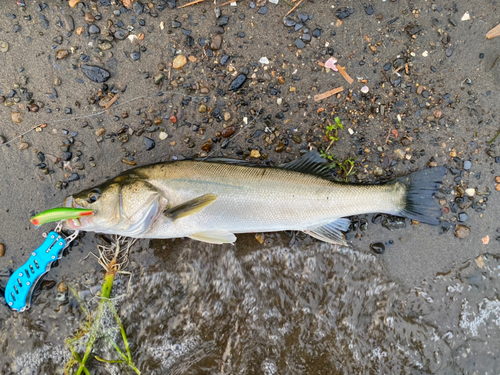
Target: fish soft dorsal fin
point(218, 237)
point(230, 161)
point(331, 232)
point(310, 163)
point(190, 207)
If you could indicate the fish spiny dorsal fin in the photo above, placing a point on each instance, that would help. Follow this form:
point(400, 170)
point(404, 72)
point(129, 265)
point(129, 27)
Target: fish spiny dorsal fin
point(310, 163)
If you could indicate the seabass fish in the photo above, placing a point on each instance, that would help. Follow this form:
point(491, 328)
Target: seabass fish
point(211, 200)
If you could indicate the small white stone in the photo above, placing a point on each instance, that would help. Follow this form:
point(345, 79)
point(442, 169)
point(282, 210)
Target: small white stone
point(470, 192)
point(351, 132)
point(163, 136)
point(365, 89)
point(400, 154)
point(466, 16)
point(264, 60)
point(274, 1)
point(425, 53)
point(279, 101)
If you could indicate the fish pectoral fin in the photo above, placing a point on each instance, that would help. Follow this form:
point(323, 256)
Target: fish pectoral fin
point(190, 207)
point(331, 232)
point(219, 236)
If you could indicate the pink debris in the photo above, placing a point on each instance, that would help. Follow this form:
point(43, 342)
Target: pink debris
point(330, 63)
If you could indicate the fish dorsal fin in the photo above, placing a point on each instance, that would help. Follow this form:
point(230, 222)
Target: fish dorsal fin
point(218, 237)
point(190, 207)
point(331, 232)
point(310, 163)
point(230, 161)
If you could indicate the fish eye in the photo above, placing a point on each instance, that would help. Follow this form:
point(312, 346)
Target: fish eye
point(93, 196)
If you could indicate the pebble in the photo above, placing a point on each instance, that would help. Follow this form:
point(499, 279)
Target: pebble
point(255, 154)
point(222, 21)
point(394, 222)
point(207, 146)
point(467, 165)
point(158, 78)
point(462, 216)
point(62, 54)
point(263, 10)
point(149, 143)
point(216, 42)
point(202, 108)
point(229, 131)
point(69, 23)
point(105, 46)
point(93, 29)
point(2, 249)
point(100, 132)
point(95, 73)
point(399, 153)
point(163, 136)
point(377, 247)
point(238, 82)
point(462, 231)
point(179, 62)
point(227, 116)
point(299, 43)
point(24, 146)
point(497, 179)
point(89, 17)
point(343, 13)
point(57, 81)
point(378, 171)
point(136, 55)
point(224, 59)
point(4, 46)
point(62, 287)
point(74, 177)
point(121, 34)
point(17, 117)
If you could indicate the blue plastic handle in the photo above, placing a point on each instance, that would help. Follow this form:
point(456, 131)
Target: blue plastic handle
point(23, 281)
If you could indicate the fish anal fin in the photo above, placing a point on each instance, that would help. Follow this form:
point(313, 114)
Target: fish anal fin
point(218, 237)
point(331, 232)
point(190, 207)
point(310, 163)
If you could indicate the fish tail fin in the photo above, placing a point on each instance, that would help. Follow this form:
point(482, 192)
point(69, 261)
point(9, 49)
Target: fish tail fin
point(420, 189)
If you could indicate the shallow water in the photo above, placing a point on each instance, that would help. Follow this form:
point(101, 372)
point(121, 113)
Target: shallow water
point(277, 310)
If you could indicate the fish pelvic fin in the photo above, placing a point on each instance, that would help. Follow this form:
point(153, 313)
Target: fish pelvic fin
point(420, 188)
point(218, 237)
point(331, 232)
point(190, 207)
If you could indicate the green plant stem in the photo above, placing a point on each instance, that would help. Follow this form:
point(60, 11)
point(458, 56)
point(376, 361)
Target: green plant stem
point(493, 140)
point(106, 288)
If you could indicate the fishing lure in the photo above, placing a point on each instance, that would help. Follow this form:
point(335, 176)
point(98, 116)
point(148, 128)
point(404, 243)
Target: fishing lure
point(58, 214)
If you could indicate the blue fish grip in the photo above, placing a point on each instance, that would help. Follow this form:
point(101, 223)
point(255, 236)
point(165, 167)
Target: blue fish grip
point(21, 284)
